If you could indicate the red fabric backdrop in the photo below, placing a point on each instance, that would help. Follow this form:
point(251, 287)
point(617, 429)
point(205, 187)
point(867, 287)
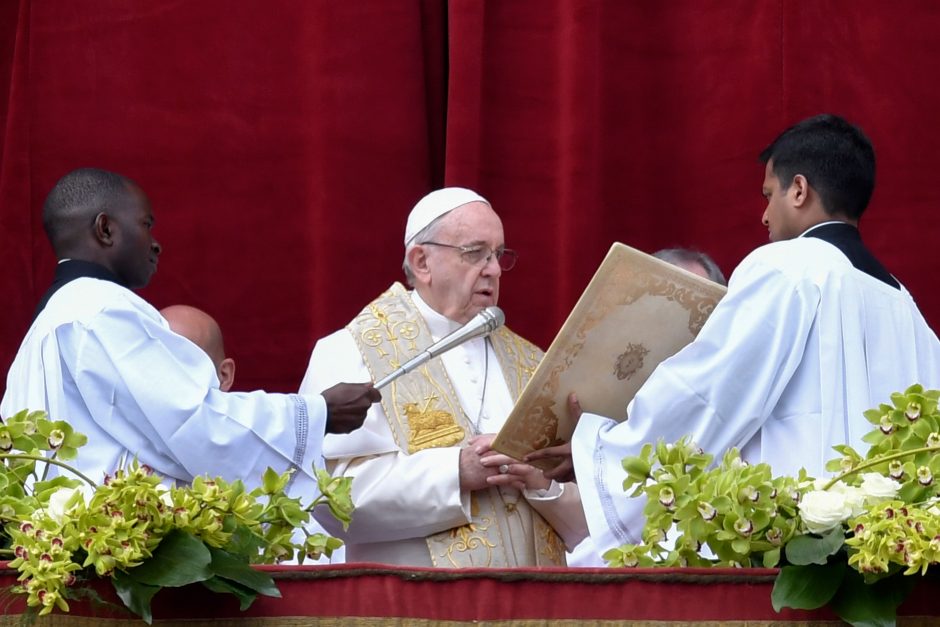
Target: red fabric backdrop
point(282, 143)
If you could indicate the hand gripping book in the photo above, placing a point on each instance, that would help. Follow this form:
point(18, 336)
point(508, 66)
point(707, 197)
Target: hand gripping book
point(636, 312)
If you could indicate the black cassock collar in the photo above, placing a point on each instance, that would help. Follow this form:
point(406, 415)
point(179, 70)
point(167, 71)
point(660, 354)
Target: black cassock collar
point(71, 269)
point(846, 238)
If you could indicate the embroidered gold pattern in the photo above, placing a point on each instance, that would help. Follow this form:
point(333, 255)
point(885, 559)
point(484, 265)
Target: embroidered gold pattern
point(470, 537)
point(430, 427)
point(382, 328)
point(552, 548)
point(424, 412)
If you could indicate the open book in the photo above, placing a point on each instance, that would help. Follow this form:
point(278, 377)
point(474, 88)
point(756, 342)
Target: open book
point(636, 312)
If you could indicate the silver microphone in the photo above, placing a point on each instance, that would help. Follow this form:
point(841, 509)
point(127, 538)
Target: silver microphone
point(482, 324)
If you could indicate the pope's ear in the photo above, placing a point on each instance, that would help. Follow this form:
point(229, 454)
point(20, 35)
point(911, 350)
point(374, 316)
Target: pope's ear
point(418, 260)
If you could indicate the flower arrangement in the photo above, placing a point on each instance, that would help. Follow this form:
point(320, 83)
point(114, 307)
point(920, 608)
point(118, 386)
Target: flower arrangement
point(847, 542)
point(62, 531)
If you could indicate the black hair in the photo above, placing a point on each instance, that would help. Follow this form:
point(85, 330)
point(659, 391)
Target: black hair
point(78, 197)
point(834, 155)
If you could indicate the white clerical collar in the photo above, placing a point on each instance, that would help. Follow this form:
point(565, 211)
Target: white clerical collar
point(816, 226)
point(440, 325)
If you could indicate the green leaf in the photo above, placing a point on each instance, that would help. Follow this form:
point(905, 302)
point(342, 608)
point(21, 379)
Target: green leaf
point(135, 595)
point(292, 511)
point(636, 466)
point(741, 545)
point(180, 559)
point(870, 605)
point(243, 541)
point(338, 492)
point(224, 564)
point(771, 558)
point(223, 586)
point(922, 429)
point(806, 587)
point(271, 481)
point(806, 549)
point(912, 492)
point(847, 450)
point(43, 489)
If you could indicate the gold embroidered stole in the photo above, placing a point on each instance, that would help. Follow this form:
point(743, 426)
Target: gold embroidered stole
point(424, 411)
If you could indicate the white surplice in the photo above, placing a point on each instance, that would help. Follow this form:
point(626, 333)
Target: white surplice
point(103, 359)
point(400, 499)
point(802, 344)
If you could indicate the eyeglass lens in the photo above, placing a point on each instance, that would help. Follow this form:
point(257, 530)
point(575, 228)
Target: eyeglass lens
point(506, 257)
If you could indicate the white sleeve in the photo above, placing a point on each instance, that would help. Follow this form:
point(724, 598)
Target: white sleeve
point(560, 506)
point(153, 392)
point(399, 496)
point(396, 495)
point(719, 390)
point(336, 359)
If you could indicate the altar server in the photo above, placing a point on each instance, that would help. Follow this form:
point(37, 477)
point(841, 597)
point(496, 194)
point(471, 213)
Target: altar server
point(105, 360)
point(812, 332)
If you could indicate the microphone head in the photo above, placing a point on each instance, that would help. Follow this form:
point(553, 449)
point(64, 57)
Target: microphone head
point(494, 317)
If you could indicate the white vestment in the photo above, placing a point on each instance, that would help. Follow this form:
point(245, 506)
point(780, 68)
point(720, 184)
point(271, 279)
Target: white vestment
point(103, 359)
point(802, 344)
point(400, 498)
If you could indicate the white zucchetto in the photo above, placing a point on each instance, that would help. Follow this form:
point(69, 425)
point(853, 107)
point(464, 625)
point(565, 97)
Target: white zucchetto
point(437, 204)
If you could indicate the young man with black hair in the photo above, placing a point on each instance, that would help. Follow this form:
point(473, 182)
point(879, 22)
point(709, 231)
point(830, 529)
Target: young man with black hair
point(812, 332)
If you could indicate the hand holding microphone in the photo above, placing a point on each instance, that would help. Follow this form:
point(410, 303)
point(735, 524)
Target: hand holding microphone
point(482, 324)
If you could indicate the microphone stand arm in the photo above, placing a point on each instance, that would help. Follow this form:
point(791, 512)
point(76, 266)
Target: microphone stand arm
point(411, 364)
point(484, 323)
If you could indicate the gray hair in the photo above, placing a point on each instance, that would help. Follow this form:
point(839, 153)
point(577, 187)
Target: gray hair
point(427, 233)
point(681, 256)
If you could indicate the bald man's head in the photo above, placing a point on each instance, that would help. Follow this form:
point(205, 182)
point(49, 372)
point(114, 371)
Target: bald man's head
point(202, 330)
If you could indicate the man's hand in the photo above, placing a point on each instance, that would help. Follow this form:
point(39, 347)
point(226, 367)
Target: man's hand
point(513, 473)
point(347, 404)
point(473, 474)
point(564, 471)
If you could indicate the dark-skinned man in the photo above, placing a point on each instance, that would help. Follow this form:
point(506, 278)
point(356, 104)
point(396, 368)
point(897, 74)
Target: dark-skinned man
point(104, 359)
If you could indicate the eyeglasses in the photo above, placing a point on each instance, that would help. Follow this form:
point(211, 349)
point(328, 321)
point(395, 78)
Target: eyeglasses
point(481, 255)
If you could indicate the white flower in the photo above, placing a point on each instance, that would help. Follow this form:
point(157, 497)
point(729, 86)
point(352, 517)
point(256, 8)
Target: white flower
point(63, 501)
point(165, 495)
point(878, 488)
point(822, 510)
point(854, 497)
point(822, 482)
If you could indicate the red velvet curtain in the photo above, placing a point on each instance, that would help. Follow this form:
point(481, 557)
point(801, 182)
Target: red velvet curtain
point(282, 143)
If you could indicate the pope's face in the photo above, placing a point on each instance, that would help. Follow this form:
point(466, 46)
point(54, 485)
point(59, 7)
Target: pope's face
point(454, 286)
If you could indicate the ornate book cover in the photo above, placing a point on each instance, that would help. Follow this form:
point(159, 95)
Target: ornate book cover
point(636, 312)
